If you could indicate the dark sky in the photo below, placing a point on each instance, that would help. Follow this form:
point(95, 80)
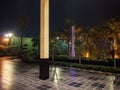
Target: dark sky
point(83, 12)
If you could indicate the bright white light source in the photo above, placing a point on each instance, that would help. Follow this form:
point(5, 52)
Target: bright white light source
point(8, 35)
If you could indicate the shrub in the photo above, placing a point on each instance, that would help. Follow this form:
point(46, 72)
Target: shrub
point(88, 67)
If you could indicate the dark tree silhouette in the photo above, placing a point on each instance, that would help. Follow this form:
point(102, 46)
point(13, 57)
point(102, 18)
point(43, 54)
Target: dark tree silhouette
point(23, 23)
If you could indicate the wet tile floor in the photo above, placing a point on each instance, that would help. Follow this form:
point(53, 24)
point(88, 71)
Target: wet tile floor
point(16, 75)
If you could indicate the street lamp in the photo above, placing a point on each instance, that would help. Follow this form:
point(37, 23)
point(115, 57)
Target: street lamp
point(9, 35)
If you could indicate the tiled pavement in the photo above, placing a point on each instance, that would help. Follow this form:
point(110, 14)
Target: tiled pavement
point(15, 75)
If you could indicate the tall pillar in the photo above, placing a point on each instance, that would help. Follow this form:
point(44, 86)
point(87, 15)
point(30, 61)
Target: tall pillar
point(72, 42)
point(44, 40)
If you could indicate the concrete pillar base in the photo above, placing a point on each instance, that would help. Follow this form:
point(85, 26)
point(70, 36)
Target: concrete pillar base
point(44, 69)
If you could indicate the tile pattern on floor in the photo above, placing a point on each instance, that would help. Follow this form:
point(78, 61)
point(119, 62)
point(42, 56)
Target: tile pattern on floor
point(16, 75)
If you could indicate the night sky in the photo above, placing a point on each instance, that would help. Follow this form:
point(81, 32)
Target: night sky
point(84, 12)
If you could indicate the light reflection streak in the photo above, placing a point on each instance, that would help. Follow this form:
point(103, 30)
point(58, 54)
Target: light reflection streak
point(72, 73)
point(1, 87)
point(56, 72)
point(110, 82)
point(7, 72)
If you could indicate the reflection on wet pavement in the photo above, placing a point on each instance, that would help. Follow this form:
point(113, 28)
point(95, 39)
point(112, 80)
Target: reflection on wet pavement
point(16, 75)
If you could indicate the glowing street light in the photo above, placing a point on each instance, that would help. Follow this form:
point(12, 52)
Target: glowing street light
point(8, 35)
point(7, 38)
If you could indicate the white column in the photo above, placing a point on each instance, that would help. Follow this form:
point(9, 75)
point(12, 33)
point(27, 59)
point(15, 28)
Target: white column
point(72, 42)
point(44, 29)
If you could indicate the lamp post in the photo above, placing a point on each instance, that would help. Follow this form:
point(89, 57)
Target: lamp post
point(55, 43)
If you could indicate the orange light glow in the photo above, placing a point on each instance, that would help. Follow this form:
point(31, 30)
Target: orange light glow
point(87, 54)
point(115, 48)
point(116, 56)
point(6, 39)
point(115, 44)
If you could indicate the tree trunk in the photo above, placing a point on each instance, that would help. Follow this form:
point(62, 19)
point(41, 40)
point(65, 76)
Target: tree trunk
point(21, 46)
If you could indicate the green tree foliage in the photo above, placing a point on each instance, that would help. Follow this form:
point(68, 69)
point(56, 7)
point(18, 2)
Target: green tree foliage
point(66, 33)
point(103, 37)
point(54, 50)
point(23, 23)
point(36, 43)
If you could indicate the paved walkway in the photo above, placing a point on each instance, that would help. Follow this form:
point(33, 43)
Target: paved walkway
point(15, 75)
